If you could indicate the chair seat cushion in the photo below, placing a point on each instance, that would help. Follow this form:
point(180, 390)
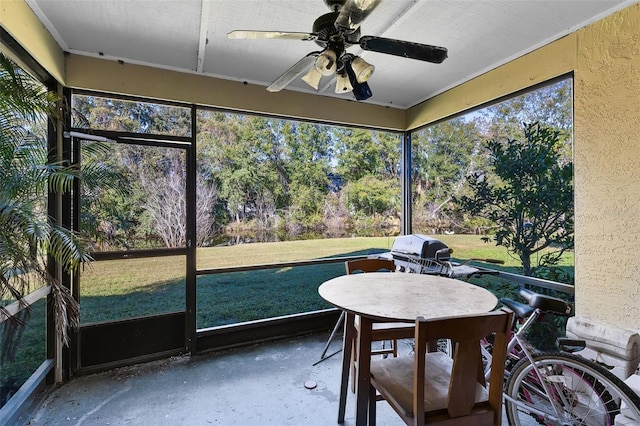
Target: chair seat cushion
point(394, 376)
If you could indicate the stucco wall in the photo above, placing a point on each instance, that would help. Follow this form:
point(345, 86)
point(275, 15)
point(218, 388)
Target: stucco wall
point(607, 170)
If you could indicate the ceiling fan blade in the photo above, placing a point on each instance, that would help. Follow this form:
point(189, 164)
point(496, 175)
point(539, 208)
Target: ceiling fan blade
point(242, 34)
point(406, 49)
point(299, 68)
point(354, 12)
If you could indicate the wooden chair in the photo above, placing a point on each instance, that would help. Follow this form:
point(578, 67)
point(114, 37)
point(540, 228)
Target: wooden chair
point(369, 265)
point(354, 267)
point(446, 391)
point(381, 332)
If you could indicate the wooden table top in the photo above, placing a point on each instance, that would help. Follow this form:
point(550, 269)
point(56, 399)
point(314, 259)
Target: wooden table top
point(399, 296)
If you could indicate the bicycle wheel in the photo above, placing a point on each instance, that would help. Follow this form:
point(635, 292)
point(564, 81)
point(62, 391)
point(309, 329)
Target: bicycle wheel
point(580, 392)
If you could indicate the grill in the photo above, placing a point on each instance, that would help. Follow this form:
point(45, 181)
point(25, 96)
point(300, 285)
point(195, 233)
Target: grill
point(420, 254)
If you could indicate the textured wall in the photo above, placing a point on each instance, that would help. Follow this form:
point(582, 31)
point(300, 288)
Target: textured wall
point(607, 169)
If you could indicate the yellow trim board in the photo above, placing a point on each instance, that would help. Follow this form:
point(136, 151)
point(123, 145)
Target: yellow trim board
point(545, 63)
point(97, 74)
point(22, 24)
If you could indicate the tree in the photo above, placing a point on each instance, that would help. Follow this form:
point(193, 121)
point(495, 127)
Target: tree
point(369, 164)
point(552, 105)
point(362, 152)
point(165, 203)
point(129, 116)
point(239, 171)
point(442, 157)
point(27, 237)
point(153, 211)
point(308, 152)
point(372, 196)
point(528, 195)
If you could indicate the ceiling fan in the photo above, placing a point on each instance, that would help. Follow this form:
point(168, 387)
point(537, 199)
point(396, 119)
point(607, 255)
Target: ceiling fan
point(335, 32)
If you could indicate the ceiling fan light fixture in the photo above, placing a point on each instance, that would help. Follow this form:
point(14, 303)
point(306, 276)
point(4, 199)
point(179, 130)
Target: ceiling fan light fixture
point(326, 62)
point(365, 4)
point(362, 69)
point(361, 91)
point(312, 78)
point(343, 85)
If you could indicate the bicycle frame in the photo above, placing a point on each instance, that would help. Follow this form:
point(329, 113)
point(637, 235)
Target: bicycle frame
point(517, 339)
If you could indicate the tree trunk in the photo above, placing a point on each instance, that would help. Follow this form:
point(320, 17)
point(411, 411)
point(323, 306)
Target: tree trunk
point(526, 263)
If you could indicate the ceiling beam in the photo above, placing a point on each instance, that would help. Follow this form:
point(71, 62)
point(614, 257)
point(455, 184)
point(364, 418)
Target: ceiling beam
point(203, 40)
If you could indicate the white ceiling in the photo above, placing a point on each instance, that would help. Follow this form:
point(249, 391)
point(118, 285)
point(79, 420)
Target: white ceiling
point(190, 36)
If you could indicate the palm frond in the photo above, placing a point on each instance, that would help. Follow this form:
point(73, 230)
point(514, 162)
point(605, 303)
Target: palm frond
point(22, 94)
point(97, 174)
point(27, 237)
point(66, 309)
point(12, 334)
point(66, 248)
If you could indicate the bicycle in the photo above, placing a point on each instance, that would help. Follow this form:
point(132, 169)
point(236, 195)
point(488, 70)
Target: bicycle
point(558, 387)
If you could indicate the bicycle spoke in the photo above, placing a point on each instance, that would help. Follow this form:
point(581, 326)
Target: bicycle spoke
point(575, 392)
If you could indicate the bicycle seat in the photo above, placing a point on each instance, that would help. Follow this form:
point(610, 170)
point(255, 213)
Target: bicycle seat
point(520, 309)
point(547, 303)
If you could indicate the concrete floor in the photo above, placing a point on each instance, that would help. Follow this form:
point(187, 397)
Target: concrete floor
point(257, 385)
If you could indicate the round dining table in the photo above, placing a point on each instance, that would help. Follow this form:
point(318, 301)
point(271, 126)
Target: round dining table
point(393, 297)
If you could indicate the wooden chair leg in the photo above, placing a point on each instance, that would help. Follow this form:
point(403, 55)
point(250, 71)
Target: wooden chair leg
point(347, 356)
point(372, 405)
point(354, 365)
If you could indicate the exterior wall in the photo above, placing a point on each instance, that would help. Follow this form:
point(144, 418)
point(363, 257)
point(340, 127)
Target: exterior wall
point(607, 170)
point(21, 23)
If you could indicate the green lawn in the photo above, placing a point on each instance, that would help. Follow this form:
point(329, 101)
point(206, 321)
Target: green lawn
point(112, 290)
point(26, 349)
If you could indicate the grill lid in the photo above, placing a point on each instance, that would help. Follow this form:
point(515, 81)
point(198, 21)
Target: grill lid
point(421, 246)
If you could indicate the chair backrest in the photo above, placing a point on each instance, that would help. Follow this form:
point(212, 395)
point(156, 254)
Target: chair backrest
point(369, 265)
point(467, 370)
